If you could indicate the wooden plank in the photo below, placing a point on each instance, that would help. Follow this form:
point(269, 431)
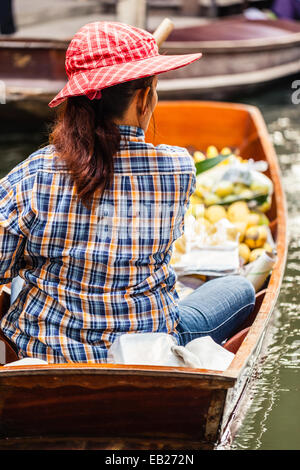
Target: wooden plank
point(53, 375)
point(132, 12)
point(256, 53)
point(186, 87)
point(98, 443)
point(108, 406)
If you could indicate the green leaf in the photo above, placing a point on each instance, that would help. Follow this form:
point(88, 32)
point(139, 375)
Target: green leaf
point(209, 163)
point(259, 198)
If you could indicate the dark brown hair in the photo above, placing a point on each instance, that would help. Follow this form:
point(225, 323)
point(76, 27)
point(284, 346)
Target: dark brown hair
point(86, 138)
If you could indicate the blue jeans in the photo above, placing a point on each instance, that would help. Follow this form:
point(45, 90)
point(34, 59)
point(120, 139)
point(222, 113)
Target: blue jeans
point(216, 309)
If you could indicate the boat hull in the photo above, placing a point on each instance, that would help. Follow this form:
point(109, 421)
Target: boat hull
point(112, 404)
point(239, 56)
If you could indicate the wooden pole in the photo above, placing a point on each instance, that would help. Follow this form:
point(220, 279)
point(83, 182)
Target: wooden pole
point(163, 31)
point(213, 10)
point(132, 12)
point(190, 7)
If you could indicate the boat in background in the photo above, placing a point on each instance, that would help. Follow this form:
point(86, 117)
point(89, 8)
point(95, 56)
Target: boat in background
point(196, 7)
point(113, 406)
point(239, 55)
point(32, 71)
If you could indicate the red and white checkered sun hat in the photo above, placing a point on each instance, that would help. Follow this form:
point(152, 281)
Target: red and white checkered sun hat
point(103, 54)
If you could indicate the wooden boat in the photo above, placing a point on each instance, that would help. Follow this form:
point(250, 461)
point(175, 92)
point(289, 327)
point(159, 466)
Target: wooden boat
point(32, 72)
point(239, 56)
point(111, 406)
point(194, 7)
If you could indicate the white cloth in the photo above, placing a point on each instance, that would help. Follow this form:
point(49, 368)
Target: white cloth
point(161, 349)
point(27, 361)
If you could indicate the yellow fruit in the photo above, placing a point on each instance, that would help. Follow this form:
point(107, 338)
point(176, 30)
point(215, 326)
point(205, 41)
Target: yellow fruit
point(267, 247)
point(224, 188)
point(265, 206)
point(259, 188)
point(229, 199)
point(246, 194)
point(232, 233)
point(239, 188)
point(211, 230)
point(226, 151)
point(175, 258)
point(212, 151)
point(256, 236)
point(238, 212)
point(215, 213)
point(199, 191)
point(255, 254)
point(202, 225)
point(199, 157)
point(198, 211)
point(189, 211)
point(194, 200)
point(241, 228)
point(253, 219)
point(211, 199)
point(180, 244)
point(206, 181)
point(263, 220)
point(244, 252)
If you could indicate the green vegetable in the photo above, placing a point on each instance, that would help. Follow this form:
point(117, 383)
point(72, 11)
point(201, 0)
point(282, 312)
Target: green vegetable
point(209, 163)
point(258, 198)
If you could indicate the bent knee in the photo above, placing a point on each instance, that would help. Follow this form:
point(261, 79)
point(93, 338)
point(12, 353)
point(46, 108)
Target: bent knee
point(242, 287)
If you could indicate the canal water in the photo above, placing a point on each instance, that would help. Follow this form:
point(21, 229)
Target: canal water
point(272, 417)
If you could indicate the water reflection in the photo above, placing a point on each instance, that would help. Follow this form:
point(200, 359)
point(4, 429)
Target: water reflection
point(272, 420)
point(15, 147)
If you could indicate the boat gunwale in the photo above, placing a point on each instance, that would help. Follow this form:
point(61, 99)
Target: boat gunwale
point(166, 86)
point(218, 46)
point(213, 379)
point(216, 379)
point(31, 43)
point(234, 45)
point(194, 85)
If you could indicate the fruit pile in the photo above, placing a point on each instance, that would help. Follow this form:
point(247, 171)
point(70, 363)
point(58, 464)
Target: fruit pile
point(248, 228)
point(227, 207)
point(250, 225)
point(234, 179)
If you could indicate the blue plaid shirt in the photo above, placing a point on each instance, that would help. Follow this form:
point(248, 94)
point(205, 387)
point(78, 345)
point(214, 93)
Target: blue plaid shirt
point(92, 274)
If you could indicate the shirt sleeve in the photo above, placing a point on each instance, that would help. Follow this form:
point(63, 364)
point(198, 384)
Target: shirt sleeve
point(11, 238)
point(188, 187)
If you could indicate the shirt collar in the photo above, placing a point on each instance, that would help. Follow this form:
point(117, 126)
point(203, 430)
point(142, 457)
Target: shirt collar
point(132, 133)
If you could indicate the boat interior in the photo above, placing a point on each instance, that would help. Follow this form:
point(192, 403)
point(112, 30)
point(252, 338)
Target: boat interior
point(241, 128)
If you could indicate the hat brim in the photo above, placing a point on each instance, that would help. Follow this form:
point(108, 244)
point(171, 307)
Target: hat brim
point(97, 79)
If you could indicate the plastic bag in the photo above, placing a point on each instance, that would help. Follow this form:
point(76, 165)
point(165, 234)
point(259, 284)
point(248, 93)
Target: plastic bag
point(162, 349)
